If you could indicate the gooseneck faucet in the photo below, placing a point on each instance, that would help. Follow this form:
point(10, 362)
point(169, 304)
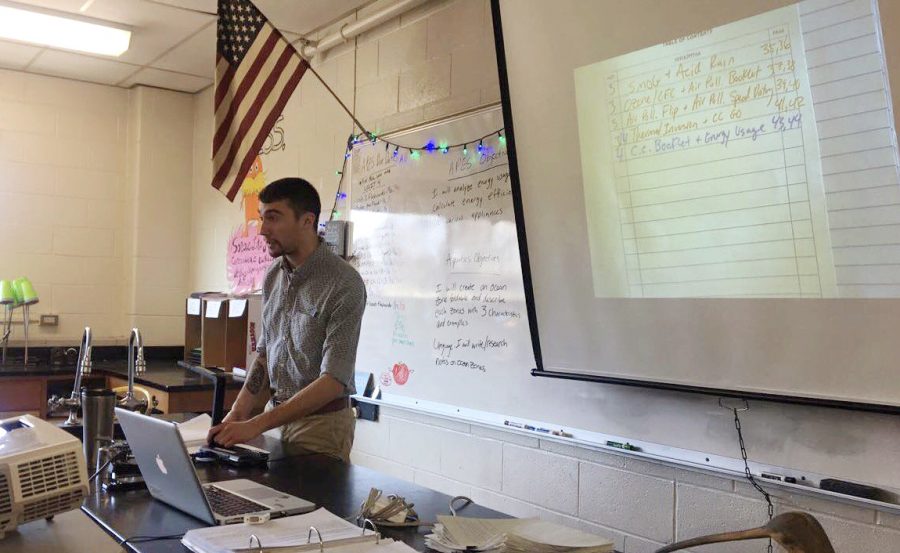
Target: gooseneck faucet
point(83, 367)
point(135, 366)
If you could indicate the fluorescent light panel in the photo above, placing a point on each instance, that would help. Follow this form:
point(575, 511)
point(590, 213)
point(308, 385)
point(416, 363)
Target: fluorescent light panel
point(61, 31)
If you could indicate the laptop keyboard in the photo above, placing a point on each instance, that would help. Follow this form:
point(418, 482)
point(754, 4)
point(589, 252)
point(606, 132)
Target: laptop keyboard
point(227, 504)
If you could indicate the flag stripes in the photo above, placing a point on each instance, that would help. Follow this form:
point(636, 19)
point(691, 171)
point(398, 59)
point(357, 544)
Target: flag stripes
point(257, 70)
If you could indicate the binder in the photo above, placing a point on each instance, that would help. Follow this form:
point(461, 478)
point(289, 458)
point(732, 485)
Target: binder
point(319, 531)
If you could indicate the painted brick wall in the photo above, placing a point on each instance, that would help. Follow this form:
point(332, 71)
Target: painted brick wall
point(641, 505)
point(62, 183)
point(158, 213)
point(94, 204)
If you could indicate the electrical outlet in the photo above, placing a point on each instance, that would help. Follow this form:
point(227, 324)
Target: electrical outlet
point(49, 320)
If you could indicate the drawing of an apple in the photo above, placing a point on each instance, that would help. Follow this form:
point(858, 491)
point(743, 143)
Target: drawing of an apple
point(401, 373)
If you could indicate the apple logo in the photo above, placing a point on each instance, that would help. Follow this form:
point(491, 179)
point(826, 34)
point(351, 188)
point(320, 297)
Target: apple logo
point(161, 465)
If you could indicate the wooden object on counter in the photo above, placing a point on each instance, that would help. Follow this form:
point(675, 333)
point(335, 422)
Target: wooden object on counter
point(218, 327)
point(19, 396)
point(188, 401)
point(28, 394)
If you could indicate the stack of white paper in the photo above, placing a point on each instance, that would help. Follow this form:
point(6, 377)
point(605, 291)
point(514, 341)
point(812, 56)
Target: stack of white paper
point(542, 536)
point(194, 431)
point(470, 536)
point(453, 534)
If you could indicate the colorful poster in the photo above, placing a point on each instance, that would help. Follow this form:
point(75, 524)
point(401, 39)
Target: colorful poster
point(248, 258)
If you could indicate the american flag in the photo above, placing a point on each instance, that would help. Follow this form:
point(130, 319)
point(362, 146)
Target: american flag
point(257, 69)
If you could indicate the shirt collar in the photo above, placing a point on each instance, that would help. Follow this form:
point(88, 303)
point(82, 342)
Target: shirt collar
point(308, 266)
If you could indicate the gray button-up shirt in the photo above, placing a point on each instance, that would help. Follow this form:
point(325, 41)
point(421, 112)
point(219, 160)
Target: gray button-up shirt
point(311, 320)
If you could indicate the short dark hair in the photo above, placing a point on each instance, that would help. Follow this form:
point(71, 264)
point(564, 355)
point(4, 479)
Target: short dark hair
point(299, 193)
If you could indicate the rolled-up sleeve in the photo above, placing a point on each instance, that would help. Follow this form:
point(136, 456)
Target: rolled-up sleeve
point(342, 332)
point(261, 339)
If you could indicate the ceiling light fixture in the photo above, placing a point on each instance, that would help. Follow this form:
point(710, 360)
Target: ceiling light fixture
point(62, 30)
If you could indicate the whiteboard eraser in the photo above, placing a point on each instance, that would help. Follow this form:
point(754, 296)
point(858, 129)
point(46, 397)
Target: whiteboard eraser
point(854, 489)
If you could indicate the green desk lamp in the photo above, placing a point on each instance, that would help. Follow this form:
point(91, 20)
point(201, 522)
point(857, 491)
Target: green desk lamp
point(26, 297)
point(8, 301)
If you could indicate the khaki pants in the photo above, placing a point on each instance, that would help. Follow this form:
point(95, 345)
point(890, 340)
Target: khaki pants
point(328, 433)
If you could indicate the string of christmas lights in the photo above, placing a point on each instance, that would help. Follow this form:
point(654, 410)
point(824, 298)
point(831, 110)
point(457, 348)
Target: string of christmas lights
point(428, 147)
point(414, 153)
point(339, 196)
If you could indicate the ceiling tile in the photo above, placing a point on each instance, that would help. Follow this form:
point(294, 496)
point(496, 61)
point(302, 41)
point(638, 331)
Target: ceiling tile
point(196, 56)
point(171, 37)
point(76, 66)
point(156, 28)
point(168, 79)
point(16, 56)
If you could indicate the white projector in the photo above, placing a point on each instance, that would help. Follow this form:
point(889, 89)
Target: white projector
point(42, 471)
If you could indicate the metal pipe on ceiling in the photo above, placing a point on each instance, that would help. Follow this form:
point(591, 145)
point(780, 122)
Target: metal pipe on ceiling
point(351, 30)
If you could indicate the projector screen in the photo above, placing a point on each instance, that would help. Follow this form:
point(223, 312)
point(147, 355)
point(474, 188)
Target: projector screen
point(710, 191)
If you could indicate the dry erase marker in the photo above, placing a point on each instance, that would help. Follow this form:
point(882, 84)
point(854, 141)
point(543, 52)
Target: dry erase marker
point(626, 446)
point(512, 424)
point(529, 427)
point(544, 430)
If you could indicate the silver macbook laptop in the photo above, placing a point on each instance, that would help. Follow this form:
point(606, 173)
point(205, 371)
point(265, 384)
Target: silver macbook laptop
point(170, 476)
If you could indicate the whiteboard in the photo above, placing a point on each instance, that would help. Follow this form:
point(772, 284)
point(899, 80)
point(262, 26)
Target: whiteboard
point(401, 248)
point(435, 241)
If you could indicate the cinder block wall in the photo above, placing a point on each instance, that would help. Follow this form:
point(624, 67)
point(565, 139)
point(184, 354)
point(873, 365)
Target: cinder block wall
point(94, 204)
point(158, 213)
point(94, 190)
point(62, 173)
point(641, 505)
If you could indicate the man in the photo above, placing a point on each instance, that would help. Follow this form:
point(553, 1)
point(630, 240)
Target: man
point(313, 302)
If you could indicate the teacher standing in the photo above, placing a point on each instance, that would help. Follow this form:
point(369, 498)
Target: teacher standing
point(313, 302)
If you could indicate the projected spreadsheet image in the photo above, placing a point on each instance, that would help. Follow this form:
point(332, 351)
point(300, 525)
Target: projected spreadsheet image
point(756, 159)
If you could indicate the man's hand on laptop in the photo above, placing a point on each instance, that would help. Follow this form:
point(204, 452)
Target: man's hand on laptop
point(228, 434)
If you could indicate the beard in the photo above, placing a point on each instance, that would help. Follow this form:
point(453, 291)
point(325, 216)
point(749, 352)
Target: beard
point(275, 248)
